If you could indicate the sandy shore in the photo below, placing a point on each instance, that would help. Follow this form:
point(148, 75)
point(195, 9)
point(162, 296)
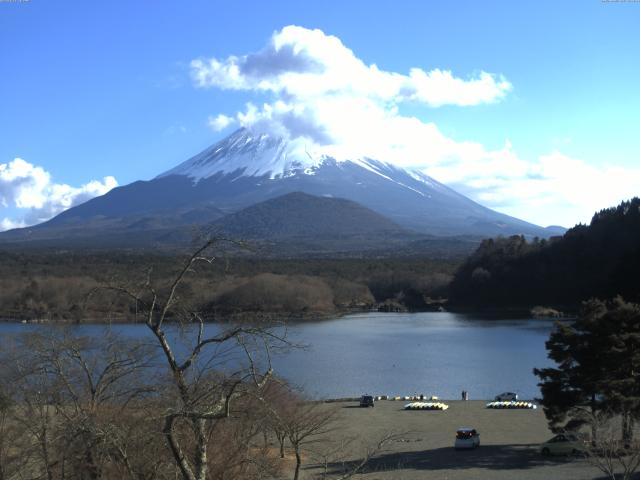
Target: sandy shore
point(509, 443)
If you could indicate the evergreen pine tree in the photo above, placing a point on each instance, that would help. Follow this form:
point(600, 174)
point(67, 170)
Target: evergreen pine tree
point(598, 368)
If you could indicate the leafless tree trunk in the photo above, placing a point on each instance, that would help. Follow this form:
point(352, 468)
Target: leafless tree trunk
point(94, 408)
point(12, 458)
point(611, 453)
point(72, 396)
point(199, 400)
point(307, 423)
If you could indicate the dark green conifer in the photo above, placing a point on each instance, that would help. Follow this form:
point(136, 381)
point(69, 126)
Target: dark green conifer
point(598, 363)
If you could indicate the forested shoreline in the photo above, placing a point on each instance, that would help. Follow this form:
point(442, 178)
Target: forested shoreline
point(600, 260)
point(56, 286)
point(508, 275)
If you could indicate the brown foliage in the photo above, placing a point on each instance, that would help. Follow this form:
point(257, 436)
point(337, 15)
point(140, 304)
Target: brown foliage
point(54, 286)
point(279, 293)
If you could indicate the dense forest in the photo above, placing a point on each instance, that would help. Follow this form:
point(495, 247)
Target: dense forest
point(55, 286)
point(599, 260)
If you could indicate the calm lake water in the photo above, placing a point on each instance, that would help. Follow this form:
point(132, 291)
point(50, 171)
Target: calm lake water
point(435, 353)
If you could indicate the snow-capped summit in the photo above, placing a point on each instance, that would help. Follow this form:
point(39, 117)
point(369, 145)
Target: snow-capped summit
point(248, 153)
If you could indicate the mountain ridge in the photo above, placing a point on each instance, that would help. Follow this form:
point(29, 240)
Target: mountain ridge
point(246, 169)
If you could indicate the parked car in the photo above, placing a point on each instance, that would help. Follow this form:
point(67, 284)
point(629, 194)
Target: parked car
point(467, 438)
point(507, 397)
point(563, 444)
point(366, 401)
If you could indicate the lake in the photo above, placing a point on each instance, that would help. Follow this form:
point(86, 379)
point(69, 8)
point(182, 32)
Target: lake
point(433, 353)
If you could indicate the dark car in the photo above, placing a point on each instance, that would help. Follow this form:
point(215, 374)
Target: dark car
point(507, 397)
point(366, 401)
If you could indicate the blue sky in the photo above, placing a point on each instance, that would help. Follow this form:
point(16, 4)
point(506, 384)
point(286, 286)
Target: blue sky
point(90, 90)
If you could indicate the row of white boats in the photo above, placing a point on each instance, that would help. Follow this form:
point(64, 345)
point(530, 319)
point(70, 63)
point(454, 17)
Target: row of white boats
point(444, 406)
point(512, 404)
point(426, 406)
point(413, 398)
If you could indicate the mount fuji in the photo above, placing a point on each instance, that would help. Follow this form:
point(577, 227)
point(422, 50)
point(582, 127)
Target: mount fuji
point(248, 168)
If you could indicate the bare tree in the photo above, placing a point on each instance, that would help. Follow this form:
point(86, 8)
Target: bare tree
point(243, 456)
point(13, 456)
point(203, 388)
point(310, 429)
point(307, 423)
point(277, 403)
point(609, 452)
point(73, 395)
point(29, 425)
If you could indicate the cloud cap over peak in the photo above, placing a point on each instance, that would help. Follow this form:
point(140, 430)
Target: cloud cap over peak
point(316, 91)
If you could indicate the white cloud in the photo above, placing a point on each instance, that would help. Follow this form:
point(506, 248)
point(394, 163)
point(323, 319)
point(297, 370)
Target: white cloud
point(8, 224)
point(303, 63)
point(29, 191)
point(220, 122)
point(320, 92)
point(439, 87)
point(553, 189)
point(22, 184)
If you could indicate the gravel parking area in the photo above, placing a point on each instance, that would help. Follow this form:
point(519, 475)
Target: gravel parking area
point(509, 443)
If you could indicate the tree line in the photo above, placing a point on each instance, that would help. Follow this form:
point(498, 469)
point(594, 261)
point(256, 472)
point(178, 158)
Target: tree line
point(600, 260)
point(53, 286)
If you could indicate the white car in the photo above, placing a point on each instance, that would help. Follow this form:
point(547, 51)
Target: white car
point(507, 397)
point(563, 444)
point(467, 438)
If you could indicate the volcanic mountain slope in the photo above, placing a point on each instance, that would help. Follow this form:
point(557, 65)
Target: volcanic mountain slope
point(292, 225)
point(247, 168)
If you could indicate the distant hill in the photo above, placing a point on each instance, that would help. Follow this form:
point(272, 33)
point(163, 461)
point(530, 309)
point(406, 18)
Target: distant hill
point(298, 214)
point(298, 224)
point(599, 260)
